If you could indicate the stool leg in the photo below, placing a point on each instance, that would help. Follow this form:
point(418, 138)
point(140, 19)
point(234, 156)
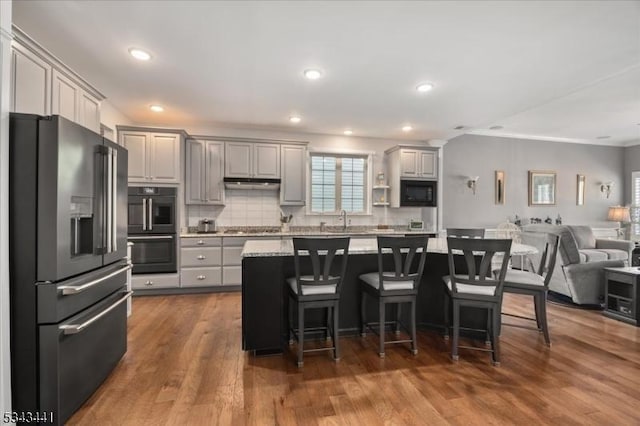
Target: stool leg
point(362, 314)
point(487, 339)
point(456, 330)
point(336, 322)
point(381, 309)
point(414, 341)
point(447, 301)
point(398, 313)
point(290, 320)
point(543, 318)
point(327, 321)
point(495, 339)
point(300, 334)
point(536, 306)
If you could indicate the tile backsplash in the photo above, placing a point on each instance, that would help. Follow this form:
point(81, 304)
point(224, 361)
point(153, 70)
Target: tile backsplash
point(262, 208)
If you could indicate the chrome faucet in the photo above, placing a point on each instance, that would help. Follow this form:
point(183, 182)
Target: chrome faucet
point(343, 218)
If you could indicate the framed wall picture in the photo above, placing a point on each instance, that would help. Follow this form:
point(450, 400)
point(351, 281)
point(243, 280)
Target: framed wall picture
point(580, 190)
point(500, 187)
point(542, 188)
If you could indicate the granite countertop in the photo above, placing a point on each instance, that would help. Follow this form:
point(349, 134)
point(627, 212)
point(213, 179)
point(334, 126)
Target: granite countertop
point(276, 248)
point(302, 231)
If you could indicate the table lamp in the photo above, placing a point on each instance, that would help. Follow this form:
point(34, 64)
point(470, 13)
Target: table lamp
point(619, 214)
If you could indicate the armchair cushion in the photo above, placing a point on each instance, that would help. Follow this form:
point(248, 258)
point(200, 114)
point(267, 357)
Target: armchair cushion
point(584, 237)
point(587, 255)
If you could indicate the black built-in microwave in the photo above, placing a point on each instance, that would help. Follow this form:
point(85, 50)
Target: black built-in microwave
point(418, 193)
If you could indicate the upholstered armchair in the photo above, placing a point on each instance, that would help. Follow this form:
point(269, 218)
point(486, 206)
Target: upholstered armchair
point(579, 272)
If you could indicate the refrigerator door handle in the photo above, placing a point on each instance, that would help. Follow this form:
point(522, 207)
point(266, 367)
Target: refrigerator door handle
point(114, 200)
point(73, 289)
point(150, 214)
point(77, 328)
point(109, 161)
point(144, 214)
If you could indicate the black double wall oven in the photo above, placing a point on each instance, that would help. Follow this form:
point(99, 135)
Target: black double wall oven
point(68, 266)
point(152, 229)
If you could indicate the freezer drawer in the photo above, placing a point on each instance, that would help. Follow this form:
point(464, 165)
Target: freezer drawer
point(77, 355)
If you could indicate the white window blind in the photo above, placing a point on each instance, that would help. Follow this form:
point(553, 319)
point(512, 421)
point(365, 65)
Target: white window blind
point(338, 182)
point(635, 204)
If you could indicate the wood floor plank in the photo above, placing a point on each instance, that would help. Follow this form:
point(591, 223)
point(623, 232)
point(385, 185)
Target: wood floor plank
point(184, 366)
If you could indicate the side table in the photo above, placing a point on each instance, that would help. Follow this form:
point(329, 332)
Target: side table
point(621, 294)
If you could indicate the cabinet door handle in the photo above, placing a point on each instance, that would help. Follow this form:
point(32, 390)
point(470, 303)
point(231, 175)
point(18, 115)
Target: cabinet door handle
point(201, 277)
point(200, 242)
point(201, 257)
point(149, 283)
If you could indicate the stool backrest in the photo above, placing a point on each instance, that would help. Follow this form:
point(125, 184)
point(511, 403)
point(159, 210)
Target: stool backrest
point(548, 258)
point(403, 270)
point(322, 252)
point(481, 275)
point(465, 232)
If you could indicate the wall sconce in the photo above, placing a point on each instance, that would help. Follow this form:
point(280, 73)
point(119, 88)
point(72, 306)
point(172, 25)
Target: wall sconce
point(471, 183)
point(606, 187)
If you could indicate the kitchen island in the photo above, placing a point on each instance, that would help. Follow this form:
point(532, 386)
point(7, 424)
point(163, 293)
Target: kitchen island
point(267, 263)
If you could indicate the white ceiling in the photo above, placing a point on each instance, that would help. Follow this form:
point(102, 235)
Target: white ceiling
point(556, 70)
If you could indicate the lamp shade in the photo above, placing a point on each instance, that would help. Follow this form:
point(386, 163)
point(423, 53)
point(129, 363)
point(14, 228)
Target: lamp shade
point(619, 214)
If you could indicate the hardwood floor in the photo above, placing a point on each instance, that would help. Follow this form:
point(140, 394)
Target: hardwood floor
point(185, 365)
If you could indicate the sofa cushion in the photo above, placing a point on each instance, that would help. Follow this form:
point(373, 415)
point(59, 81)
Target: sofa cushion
point(594, 255)
point(615, 254)
point(584, 237)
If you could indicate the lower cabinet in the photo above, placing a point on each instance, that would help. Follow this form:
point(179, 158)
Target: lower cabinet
point(200, 262)
point(151, 281)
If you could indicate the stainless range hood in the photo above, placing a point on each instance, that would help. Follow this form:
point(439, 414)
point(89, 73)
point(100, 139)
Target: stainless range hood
point(252, 183)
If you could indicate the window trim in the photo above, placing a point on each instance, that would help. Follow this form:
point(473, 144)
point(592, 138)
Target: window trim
point(368, 156)
point(634, 205)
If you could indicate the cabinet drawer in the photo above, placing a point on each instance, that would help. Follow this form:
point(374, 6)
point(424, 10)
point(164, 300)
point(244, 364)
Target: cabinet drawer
point(200, 256)
point(154, 281)
point(231, 256)
point(232, 275)
point(623, 278)
point(201, 242)
point(198, 277)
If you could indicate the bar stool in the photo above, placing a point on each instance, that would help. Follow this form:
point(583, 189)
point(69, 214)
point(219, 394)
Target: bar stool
point(320, 290)
point(536, 284)
point(397, 286)
point(476, 287)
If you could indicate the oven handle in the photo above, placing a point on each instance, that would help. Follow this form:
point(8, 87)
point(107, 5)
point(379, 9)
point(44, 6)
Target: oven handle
point(77, 328)
point(144, 214)
point(152, 237)
point(150, 214)
point(72, 289)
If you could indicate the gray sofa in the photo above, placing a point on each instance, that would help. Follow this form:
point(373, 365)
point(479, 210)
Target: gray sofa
point(579, 273)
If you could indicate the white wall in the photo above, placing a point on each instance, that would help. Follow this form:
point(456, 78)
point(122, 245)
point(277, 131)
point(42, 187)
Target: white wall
point(5, 363)
point(111, 116)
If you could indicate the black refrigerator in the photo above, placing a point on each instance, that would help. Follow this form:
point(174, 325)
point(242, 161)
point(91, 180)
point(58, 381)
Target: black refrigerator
point(68, 247)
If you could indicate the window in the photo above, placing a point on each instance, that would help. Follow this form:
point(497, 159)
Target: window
point(635, 205)
point(338, 182)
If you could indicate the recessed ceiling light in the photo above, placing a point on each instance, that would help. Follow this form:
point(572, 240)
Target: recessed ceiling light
point(496, 127)
point(603, 137)
point(140, 54)
point(312, 74)
point(407, 128)
point(348, 132)
point(295, 119)
point(156, 108)
point(424, 87)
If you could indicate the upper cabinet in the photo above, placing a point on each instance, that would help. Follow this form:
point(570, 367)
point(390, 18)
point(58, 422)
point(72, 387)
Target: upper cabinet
point(252, 160)
point(294, 171)
point(41, 84)
point(153, 156)
point(204, 167)
point(419, 163)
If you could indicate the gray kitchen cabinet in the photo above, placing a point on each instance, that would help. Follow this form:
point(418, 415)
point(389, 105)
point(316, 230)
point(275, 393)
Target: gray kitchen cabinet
point(294, 171)
point(41, 84)
point(153, 156)
point(204, 172)
point(200, 262)
point(30, 82)
point(419, 163)
point(252, 160)
point(153, 281)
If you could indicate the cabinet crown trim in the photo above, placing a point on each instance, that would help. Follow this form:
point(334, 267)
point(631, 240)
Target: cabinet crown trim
point(121, 128)
point(37, 49)
point(417, 147)
point(254, 140)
